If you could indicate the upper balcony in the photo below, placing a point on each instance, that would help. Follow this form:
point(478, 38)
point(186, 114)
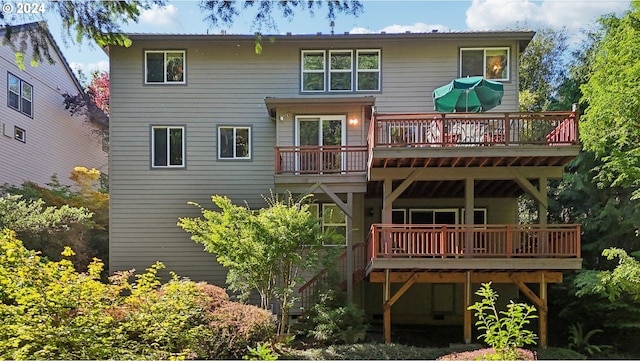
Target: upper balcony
point(449, 140)
point(473, 139)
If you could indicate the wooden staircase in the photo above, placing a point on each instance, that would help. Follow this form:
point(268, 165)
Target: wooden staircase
point(322, 279)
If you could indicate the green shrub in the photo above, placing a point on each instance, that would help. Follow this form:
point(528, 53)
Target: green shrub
point(50, 311)
point(504, 331)
point(331, 320)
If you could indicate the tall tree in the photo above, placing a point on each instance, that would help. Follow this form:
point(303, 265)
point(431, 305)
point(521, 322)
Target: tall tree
point(100, 21)
point(610, 126)
point(264, 250)
point(541, 69)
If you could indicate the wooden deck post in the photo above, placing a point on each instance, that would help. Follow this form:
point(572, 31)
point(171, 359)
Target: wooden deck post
point(543, 312)
point(386, 311)
point(468, 216)
point(467, 311)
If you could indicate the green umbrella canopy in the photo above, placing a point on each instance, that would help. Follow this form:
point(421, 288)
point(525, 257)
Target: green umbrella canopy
point(471, 94)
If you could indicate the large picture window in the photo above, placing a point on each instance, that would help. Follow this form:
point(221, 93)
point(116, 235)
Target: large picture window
point(167, 146)
point(19, 95)
point(333, 70)
point(234, 142)
point(164, 66)
point(491, 63)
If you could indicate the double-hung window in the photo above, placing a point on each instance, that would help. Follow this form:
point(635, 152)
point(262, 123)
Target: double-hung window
point(368, 74)
point(313, 73)
point(20, 95)
point(167, 146)
point(334, 224)
point(491, 63)
point(164, 66)
point(340, 71)
point(234, 142)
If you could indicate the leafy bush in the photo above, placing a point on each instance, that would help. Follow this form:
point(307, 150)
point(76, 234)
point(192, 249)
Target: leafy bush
point(332, 320)
point(504, 331)
point(50, 311)
point(234, 327)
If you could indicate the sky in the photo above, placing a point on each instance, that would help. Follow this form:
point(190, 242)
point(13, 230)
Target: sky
point(391, 16)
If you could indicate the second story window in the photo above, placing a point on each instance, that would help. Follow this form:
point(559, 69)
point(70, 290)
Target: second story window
point(234, 142)
point(167, 147)
point(340, 71)
point(164, 67)
point(20, 95)
point(491, 63)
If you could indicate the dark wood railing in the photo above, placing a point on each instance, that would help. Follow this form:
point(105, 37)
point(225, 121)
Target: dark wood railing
point(321, 159)
point(460, 129)
point(486, 240)
point(321, 280)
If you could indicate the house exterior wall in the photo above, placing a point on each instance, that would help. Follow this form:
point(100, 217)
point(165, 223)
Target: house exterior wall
point(56, 141)
point(226, 84)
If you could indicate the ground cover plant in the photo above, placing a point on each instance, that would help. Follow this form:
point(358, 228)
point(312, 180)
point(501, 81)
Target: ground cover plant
point(51, 311)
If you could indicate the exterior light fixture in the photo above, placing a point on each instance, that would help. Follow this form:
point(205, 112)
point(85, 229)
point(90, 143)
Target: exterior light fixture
point(353, 121)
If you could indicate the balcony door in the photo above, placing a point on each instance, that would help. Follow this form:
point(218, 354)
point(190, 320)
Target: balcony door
point(315, 135)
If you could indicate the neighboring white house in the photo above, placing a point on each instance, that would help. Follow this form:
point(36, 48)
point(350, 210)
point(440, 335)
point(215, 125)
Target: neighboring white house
point(38, 137)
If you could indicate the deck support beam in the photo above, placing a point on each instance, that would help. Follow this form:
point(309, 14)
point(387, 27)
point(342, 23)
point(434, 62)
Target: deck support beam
point(469, 205)
point(539, 301)
point(467, 311)
point(389, 301)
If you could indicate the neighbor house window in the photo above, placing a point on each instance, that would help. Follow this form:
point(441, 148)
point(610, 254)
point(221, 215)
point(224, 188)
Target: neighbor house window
point(164, 67)
point(20, 95)
point(20, 134)
point(491, 63)
point(234, 142)
point(341, 70)
point(167, 146)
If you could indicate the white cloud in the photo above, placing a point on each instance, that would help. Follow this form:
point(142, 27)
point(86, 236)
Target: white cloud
point(510, 14)
point(88, 69)
point(165, 16)
point(414, 28)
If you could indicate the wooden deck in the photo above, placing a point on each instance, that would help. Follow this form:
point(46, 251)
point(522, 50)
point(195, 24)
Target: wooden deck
point(443, 140)
point(473, 247)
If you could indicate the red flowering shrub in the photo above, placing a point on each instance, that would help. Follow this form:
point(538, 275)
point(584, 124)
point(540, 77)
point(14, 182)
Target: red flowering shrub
point(233, 326)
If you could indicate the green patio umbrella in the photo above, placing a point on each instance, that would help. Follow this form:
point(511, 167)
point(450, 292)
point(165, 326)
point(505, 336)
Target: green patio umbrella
point(471, 94)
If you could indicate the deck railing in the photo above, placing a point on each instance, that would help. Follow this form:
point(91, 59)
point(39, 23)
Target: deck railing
point(460, 129)
point(321, 159)
point(485, 240)
point(321, 280)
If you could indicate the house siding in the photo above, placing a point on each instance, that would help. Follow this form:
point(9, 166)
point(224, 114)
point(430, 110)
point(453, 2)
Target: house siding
point(56, 141)
point(226, 84)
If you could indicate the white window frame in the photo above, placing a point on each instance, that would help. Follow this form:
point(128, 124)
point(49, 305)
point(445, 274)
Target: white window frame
point(168, 140)
point(235, 129)
point(358, 70)
point(19, 134)
point(339, 71)
point(21, 96)
point(164, 69)
point(327, 71)
point(303, 71)
point(484, 61)
point(326, 225)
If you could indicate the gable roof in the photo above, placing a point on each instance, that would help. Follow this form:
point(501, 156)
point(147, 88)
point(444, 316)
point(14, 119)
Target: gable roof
point(42, 27)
